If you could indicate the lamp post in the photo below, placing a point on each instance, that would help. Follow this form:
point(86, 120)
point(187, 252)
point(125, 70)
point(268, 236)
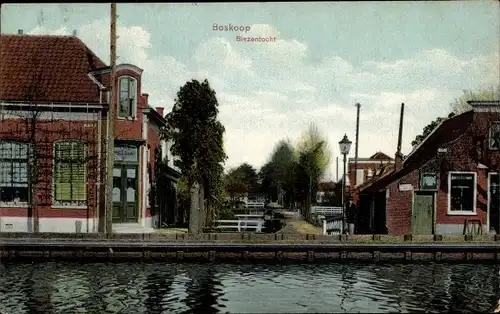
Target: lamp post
point(345, 146)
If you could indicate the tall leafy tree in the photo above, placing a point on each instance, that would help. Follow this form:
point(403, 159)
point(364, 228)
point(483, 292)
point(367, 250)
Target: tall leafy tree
point(197, 138)
point(278, 174)
point(313, 158)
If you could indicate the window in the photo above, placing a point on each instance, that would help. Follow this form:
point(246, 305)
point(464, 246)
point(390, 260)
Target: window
point(494, 142)
point(360, 176)
point(428, 181)
point(127, 98)
point(70, 174)
point(14, 163)
point(462, 193)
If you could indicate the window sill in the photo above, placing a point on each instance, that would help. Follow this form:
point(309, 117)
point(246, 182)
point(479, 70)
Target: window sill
point(461, 213)
point(10, 205)
point(128, 118)
point(68, 207)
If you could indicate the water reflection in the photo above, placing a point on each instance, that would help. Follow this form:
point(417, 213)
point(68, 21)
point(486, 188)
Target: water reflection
point(38, 293)
point(212, 288)
point(203, 290)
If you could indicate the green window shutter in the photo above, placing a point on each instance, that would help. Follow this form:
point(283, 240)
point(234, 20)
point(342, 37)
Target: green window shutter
point(70, 171)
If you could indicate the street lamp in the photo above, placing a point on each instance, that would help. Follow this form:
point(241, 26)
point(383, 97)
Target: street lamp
point(345, 146)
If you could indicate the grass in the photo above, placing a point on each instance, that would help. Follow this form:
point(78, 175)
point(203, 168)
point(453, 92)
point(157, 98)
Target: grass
point(300, 227)
point(171, 230)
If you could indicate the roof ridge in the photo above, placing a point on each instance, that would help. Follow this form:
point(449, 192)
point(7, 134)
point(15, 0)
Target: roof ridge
point(446, 120)
point(36, 35)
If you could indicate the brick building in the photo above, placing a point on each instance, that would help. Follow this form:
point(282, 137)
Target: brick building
point(366, 169)
point(54, 95)
point(447, 185)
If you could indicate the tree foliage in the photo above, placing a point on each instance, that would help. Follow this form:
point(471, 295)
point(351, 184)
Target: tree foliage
point(197, 138)
point(241, 181)
point(279, 171)
point(458, 106)
point(313, 158)
point(296, 171)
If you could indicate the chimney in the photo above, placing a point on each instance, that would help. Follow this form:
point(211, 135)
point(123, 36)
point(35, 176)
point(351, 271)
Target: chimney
point(146, 96)
point(19, 31)
point(74, 33)
point(398, 161)
point(160, 111)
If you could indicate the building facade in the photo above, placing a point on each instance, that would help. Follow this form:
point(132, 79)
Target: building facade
point(54, 100)
point(447, 185)
point(366, 169)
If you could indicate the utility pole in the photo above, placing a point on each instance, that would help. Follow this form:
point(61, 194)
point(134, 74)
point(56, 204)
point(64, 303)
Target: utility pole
point(337, 170)
point(110, 160)
point(358, 106)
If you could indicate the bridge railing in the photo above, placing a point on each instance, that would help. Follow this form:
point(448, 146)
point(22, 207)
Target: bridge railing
point(254, 205)
point(255, 225)
point(326, 210)
point(256, 216)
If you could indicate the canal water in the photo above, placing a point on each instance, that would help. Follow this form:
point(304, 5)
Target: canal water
point(247, 288)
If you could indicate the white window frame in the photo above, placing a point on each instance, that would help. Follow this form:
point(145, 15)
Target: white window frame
point(19, 204)
point(55, 205)
point(133, 113)
point(148, 179)
point(491, 174)
point(492, 123)
point(462, 213)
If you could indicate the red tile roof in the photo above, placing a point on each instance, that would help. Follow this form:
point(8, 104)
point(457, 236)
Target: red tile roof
point(47, 69)
point(448, 131)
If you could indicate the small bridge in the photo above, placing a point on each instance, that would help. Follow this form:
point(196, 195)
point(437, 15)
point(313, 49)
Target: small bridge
point(243, 224)
point(256, 216)
point(330, 217)
point(252, 204)
point(326, 210)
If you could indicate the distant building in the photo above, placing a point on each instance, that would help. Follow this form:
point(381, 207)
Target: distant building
point(365, 170)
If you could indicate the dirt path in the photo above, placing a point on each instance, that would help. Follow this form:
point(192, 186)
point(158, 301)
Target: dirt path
point(296, 225)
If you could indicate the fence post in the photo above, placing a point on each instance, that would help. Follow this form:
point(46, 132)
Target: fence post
point(324, 226)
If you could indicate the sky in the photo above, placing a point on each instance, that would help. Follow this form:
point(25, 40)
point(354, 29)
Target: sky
point(326, 57)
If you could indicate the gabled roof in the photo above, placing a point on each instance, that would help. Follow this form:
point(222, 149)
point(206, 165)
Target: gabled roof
point(449, 130)
point(380, 156)
point(47, 69)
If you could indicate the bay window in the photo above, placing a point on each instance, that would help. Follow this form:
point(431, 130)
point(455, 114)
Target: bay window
point(127, 102)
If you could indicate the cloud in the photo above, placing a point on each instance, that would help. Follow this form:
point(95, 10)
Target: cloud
point(272, 91)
